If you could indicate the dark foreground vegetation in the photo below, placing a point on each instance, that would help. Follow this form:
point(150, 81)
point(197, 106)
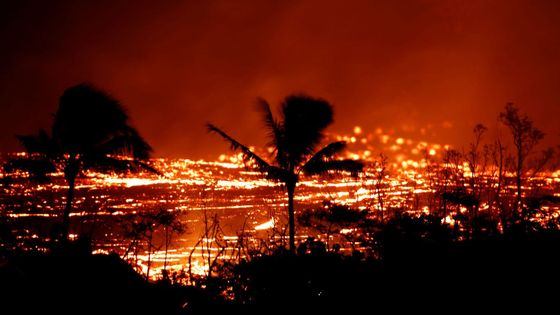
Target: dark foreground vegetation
point(414, 276)
point(73, 281)
point(419, 268)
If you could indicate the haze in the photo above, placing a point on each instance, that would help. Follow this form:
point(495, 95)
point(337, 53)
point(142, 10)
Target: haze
point(392, 64)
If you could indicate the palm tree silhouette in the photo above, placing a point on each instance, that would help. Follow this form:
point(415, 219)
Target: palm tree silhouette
point(90, 131)
point(294, 139)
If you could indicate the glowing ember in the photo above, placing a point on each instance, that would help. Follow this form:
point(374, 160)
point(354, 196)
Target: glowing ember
point(265, 226)
point(242, 199)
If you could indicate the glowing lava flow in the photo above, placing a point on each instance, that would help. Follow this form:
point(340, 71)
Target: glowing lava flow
point(241, 199)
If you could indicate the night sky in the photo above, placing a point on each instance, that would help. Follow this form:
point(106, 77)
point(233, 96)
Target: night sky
point(176, 65)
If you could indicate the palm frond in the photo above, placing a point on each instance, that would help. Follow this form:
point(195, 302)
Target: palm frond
point(275, 131)
point(269, 121)
point(327, 153)
point(127, 143)
point(324, 167)
point(106, 164)
point(87, 116)
point(30, 143)
point(148, 168)
point(139, 148)
point(38, 167)
point(304, 119)
point(236, 146)
point(278, 174)
point(41, 143)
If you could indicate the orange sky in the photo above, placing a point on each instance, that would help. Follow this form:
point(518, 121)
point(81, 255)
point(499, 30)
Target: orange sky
point(384, 64)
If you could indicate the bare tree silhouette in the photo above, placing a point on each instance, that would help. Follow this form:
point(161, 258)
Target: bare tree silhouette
point(294, 139)
point(90, 131)
point(525, 137)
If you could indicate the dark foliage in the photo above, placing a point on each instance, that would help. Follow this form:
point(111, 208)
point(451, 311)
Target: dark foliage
point(90, 131)
point(32, 283)
point(334, 215)
point(420, 270)
point(460, 197)
point(294, 140)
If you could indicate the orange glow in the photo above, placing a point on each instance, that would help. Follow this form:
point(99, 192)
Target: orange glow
point(247, 201)
point(420, 81)
point(266, 225)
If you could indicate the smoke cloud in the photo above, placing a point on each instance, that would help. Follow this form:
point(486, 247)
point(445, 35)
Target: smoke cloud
point(398, 65)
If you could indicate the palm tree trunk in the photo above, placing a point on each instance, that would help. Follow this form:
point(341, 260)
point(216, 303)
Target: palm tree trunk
point(518, 174)
point(291, 215)
point(68, 208)
point(380, 199)
point(149, 256)
point(70, 174)
point(166, 248)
